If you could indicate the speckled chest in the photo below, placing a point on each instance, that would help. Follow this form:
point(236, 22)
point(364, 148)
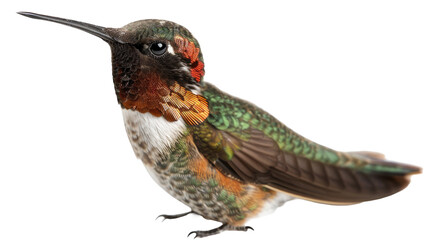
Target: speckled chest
point(164, 152)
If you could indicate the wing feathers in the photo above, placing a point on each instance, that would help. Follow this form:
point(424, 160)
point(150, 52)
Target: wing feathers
point(243, 140)
point(259, 159)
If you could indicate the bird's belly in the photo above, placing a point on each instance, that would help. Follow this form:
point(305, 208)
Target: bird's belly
point(213, 201)
point(199, 198)
point(153, 140)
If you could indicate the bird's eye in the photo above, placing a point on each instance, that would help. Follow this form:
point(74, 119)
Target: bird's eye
point(158, 48)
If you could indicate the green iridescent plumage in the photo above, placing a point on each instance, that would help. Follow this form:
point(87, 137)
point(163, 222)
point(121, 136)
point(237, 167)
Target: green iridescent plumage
point(236, 117)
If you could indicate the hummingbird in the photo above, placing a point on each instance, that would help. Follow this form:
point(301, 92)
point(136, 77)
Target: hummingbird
point(224, 157)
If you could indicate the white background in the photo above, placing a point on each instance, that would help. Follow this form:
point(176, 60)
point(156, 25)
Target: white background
point(351, 75)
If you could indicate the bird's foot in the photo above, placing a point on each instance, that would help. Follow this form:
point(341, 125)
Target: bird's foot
point(164, 216)
point(224, 227)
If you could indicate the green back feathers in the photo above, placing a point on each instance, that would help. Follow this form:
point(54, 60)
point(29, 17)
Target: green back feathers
point(237, 117)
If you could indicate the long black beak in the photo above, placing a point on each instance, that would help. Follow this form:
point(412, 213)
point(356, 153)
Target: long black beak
point(89, 28)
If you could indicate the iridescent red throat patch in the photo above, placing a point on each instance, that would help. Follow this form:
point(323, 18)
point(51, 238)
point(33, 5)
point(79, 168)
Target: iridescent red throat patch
point(172, 102)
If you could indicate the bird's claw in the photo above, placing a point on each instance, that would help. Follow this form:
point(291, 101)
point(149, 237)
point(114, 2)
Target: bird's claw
point(224, 227)
point(165, 216)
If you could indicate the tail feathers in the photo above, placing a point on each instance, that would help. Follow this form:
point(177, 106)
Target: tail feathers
point(366, 176)
point(379, 165)
point(390, 177)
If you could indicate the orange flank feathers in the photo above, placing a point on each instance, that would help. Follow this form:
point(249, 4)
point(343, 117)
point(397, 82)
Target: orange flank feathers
point(205, 171)
point(250, 198)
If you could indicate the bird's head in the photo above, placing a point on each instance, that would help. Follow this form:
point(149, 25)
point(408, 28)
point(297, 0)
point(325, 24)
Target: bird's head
point(157, 67)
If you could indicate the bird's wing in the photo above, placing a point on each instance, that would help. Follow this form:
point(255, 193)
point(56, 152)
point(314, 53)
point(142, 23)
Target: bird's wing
point(247, 143)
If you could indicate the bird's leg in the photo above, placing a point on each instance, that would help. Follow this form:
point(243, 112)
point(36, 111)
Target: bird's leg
point(224, 227)
point(164, 216)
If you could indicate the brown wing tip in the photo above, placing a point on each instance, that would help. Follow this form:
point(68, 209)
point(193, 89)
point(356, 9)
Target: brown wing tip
point(408, 169)
point(414, 170)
